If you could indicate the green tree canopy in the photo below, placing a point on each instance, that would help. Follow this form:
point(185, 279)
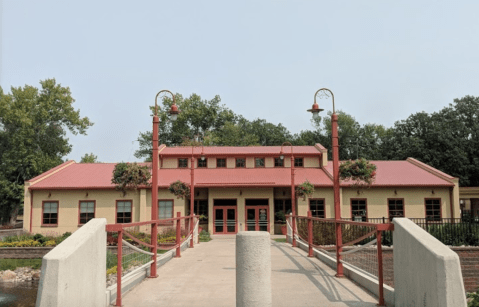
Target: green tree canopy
point(33, 125)
point(89, 158)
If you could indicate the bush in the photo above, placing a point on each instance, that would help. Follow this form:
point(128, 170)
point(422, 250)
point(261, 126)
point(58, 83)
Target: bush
point(475, 299)
point(204, 236)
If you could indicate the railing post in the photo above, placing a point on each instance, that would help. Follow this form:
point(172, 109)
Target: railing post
point(119, 267)
point(310, 234)
point(178, 235)
point(293, 226)
point(154, 242)
point(192, 228)
point(380, 268)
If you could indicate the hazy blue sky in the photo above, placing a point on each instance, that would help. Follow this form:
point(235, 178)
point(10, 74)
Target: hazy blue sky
point(384, 60)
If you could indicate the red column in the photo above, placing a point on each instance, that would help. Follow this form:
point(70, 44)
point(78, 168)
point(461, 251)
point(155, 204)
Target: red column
point(154, 197)
point(293, 198)
point(119, 255)
point(178, 235)
point(192, 200)
point(310, 235)
point(380, 269)
point(337, 205)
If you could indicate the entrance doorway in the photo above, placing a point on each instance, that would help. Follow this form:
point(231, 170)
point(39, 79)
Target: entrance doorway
point(257, 214)
point(225, 216)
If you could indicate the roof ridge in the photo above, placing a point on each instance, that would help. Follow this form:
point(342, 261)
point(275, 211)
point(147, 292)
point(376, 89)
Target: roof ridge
point(430, 169)
point(50, 172)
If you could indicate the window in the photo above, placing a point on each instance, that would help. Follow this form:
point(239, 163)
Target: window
point(165, 209)
point(202, 163)
point(278, 162)
point(359, 210)
point(396, 208)
point(317, 207)
point(87, 211)
point(221, 162)
point(201, 208)
point(258, 162)
point(433, 209)
point(50, 213)
point(298, 162)
point(282, 205)
point(123, 211)
point(183, 162)
point(240, 162)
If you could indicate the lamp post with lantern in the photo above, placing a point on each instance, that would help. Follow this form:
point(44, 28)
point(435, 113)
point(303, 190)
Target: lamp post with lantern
point(154, 180)
point(192, 188)
point(323, 92)
point(293, 194)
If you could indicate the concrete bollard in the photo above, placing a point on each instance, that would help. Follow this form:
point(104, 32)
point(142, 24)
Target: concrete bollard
point(253, 269)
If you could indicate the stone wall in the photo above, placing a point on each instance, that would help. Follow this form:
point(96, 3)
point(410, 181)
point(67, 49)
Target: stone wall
point(23, 252)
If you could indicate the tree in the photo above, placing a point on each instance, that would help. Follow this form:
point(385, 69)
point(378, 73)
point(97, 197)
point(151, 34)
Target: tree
point(447, 140)
point(89, 158)
point(33, 124)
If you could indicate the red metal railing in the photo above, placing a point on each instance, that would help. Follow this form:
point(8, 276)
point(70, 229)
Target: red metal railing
point(175, 232)
point(321, 232)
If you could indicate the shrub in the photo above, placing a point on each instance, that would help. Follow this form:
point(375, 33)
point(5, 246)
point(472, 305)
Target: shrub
point(50, 243)
point(474, 302)
point(179, 189)
point(204, 236)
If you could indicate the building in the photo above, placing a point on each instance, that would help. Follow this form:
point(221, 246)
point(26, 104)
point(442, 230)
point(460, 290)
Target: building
point(469, 200)
point(236, 188)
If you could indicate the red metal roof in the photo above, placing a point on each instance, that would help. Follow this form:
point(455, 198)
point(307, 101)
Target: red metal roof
point(236, 151)
point(400, 173)
point(98, 176)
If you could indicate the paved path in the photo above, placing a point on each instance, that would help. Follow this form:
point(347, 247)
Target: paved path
point(205, 276)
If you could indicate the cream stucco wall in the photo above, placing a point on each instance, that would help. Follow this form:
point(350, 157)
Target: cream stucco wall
point(240, 194)
point(311, 162)
point(377, 200)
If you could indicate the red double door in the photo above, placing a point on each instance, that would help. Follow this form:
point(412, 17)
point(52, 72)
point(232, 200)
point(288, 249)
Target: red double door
point(225, 218)
point(257, 218)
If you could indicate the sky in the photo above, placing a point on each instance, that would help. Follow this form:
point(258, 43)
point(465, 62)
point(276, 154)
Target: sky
point(383, 60)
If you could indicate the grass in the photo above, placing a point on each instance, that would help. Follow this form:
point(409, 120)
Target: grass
point(12, 264)
point(133, 258)
point(280, 240)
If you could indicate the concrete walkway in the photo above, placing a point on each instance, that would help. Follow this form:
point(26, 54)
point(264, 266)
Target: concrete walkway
point(205, 276)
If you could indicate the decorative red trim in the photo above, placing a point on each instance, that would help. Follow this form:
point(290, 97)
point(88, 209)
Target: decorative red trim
point(116, 209)
point(403, 206)
point(79, 209)
point(224, 213)
point(64, 164)
point(324, 205)
point(351, 207)
point(58, 212)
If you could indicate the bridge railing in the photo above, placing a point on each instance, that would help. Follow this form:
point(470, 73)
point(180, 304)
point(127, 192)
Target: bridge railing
point(136, 248)
point(358, 246)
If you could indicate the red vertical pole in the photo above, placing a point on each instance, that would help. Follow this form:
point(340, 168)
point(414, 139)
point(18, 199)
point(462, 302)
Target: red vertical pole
point(293, 199)
point(337, 205)
point(178, 235)
point(119, 255)
point(310, 235)
point(380, 268)
point(192, 198)
point(154, 197)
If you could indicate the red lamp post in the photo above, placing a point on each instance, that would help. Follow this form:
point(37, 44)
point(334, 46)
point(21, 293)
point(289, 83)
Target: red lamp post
point(293, 194)
point(192, 189)
point(154, 180)
point(337, 207)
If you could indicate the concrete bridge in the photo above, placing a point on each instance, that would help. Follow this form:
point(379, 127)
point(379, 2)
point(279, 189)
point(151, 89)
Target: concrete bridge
point(205, 276)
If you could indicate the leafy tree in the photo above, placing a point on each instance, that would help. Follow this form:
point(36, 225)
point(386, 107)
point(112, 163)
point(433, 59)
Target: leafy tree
point(447, 140)
point(33, 124)
point(89, 158)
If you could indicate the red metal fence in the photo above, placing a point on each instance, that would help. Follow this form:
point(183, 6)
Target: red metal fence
point(137, 237)
point(324, 234)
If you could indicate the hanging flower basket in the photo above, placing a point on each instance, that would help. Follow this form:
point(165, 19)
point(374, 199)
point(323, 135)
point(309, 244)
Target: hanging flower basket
point(361, 172)
point(129, 176)
point(180, 189)
point(305, 190)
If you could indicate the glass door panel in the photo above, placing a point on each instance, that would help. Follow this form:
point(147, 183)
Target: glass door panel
point(263, 219)
point(231, 220)
point(251, 219)
point(219, 220)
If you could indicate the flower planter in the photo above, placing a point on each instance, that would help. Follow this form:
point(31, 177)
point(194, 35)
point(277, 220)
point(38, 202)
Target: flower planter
point(284, 229)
